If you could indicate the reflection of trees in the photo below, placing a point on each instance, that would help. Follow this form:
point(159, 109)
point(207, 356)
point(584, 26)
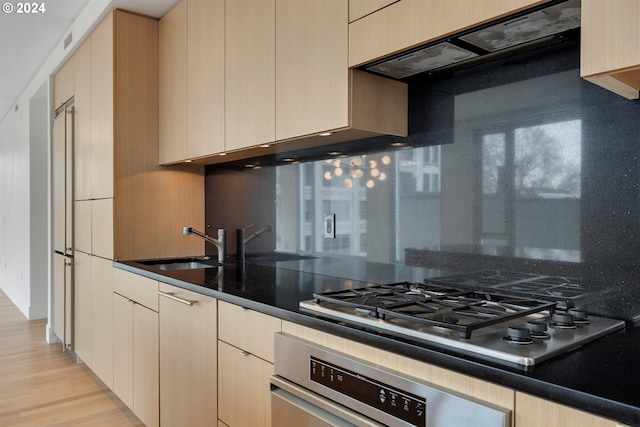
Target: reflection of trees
point(539, 165)
point(492, 162)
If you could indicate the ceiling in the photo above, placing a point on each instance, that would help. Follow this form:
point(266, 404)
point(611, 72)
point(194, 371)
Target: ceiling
point(27, 40)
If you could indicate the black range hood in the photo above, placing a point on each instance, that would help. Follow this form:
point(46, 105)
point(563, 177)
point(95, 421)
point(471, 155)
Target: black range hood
point(525, 30)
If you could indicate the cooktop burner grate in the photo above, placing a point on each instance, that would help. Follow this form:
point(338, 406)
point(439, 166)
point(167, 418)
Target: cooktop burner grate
point(433, 305)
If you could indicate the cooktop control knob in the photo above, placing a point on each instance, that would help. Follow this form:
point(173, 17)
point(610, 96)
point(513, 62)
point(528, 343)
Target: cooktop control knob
point(518, 335)
point(563, 320)
point(538, 329)
point(579, 315)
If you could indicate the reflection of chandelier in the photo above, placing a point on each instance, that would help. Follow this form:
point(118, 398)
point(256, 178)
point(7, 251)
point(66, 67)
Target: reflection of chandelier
point(356, 168)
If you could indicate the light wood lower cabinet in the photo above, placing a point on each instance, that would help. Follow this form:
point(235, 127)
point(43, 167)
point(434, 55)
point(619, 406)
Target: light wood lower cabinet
point(533, 411)
point(135, 345)
point(244, 397)
point(188, 358)
point(83, 300)
point(245, 363)
point(102, 319)
point(247, 329)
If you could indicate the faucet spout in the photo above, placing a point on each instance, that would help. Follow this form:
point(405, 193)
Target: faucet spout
point(218, 243)
point(241, 240)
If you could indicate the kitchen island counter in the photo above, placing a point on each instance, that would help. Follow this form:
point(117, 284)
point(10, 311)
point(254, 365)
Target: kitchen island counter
point(601, 377)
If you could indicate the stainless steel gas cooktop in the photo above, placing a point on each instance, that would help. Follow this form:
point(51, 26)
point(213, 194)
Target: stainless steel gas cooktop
point(497, 320)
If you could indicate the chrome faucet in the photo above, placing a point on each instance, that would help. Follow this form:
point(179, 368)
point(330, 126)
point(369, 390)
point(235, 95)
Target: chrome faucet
point(241, 240)
point(218, 243)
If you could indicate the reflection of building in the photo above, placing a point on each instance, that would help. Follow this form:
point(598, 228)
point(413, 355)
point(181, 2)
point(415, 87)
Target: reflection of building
point(422, 166)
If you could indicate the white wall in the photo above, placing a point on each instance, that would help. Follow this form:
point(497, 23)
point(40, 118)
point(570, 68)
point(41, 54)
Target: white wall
point(25, 237)
point(14, 207)
point(25, 135)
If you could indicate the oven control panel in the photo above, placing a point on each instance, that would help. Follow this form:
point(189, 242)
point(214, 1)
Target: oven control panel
point(393, 401)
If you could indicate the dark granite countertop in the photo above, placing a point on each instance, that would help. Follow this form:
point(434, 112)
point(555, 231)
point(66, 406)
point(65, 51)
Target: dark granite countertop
point(601, 377)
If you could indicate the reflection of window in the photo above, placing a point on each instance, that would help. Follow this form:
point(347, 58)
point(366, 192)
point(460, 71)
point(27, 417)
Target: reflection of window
point(547, 160)
point(530, 187)
point(492, 162)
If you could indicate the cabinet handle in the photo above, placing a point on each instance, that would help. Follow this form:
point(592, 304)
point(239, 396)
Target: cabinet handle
point(175, 298)
point(245, 353)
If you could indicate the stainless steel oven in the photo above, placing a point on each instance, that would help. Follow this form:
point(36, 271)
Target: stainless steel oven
point(316, 386)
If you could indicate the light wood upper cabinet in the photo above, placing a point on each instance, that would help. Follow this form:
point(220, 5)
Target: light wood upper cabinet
point(532, 411)
point(360, 8)
point(102, 109)
point(191, 81)
point(188, 358)
point(63, 84)
point(172, 70)
point(83, 160)
point(610, 45)
point(205, 77)
point(249, 73)
point(409, 23)
point(316, 92)
point(312, 80)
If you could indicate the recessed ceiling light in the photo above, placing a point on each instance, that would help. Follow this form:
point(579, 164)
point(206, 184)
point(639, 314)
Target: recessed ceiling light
point(398, 144)
point(334, 153)
point(288, 159)
point(249, 165)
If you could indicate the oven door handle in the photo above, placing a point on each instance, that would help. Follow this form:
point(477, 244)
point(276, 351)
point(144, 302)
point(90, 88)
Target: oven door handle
point(315, 405)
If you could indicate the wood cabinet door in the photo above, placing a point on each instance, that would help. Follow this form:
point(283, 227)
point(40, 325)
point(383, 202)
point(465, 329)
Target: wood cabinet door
point(360, 8)
point(249, 73)
point(311, 67)
point(188, 358)
point(248, 329)
point(244, 397)
point(58, 188)
point(63, 84)
point(82, 226)
point(172, 69)
point(102, 228)
point(102, 108)
point(146, 366)
point(610, 45)
point(102, 319)
point(123, 349)
point(83, 289)
point(82, 116)
point(205, 77)
point(532, 411)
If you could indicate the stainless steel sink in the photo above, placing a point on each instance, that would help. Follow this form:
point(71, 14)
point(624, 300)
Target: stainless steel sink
point(180, 264)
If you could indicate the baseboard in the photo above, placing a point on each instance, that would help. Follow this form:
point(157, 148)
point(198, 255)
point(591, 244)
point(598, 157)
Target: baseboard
point(16, 297)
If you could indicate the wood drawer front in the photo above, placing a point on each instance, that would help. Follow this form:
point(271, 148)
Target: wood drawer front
point(247, 329)
point(140, 289)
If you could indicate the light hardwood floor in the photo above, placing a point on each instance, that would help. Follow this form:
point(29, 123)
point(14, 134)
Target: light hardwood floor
point(40, 385)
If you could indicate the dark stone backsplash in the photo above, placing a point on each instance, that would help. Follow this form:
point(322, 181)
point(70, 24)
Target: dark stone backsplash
point(517, 164)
